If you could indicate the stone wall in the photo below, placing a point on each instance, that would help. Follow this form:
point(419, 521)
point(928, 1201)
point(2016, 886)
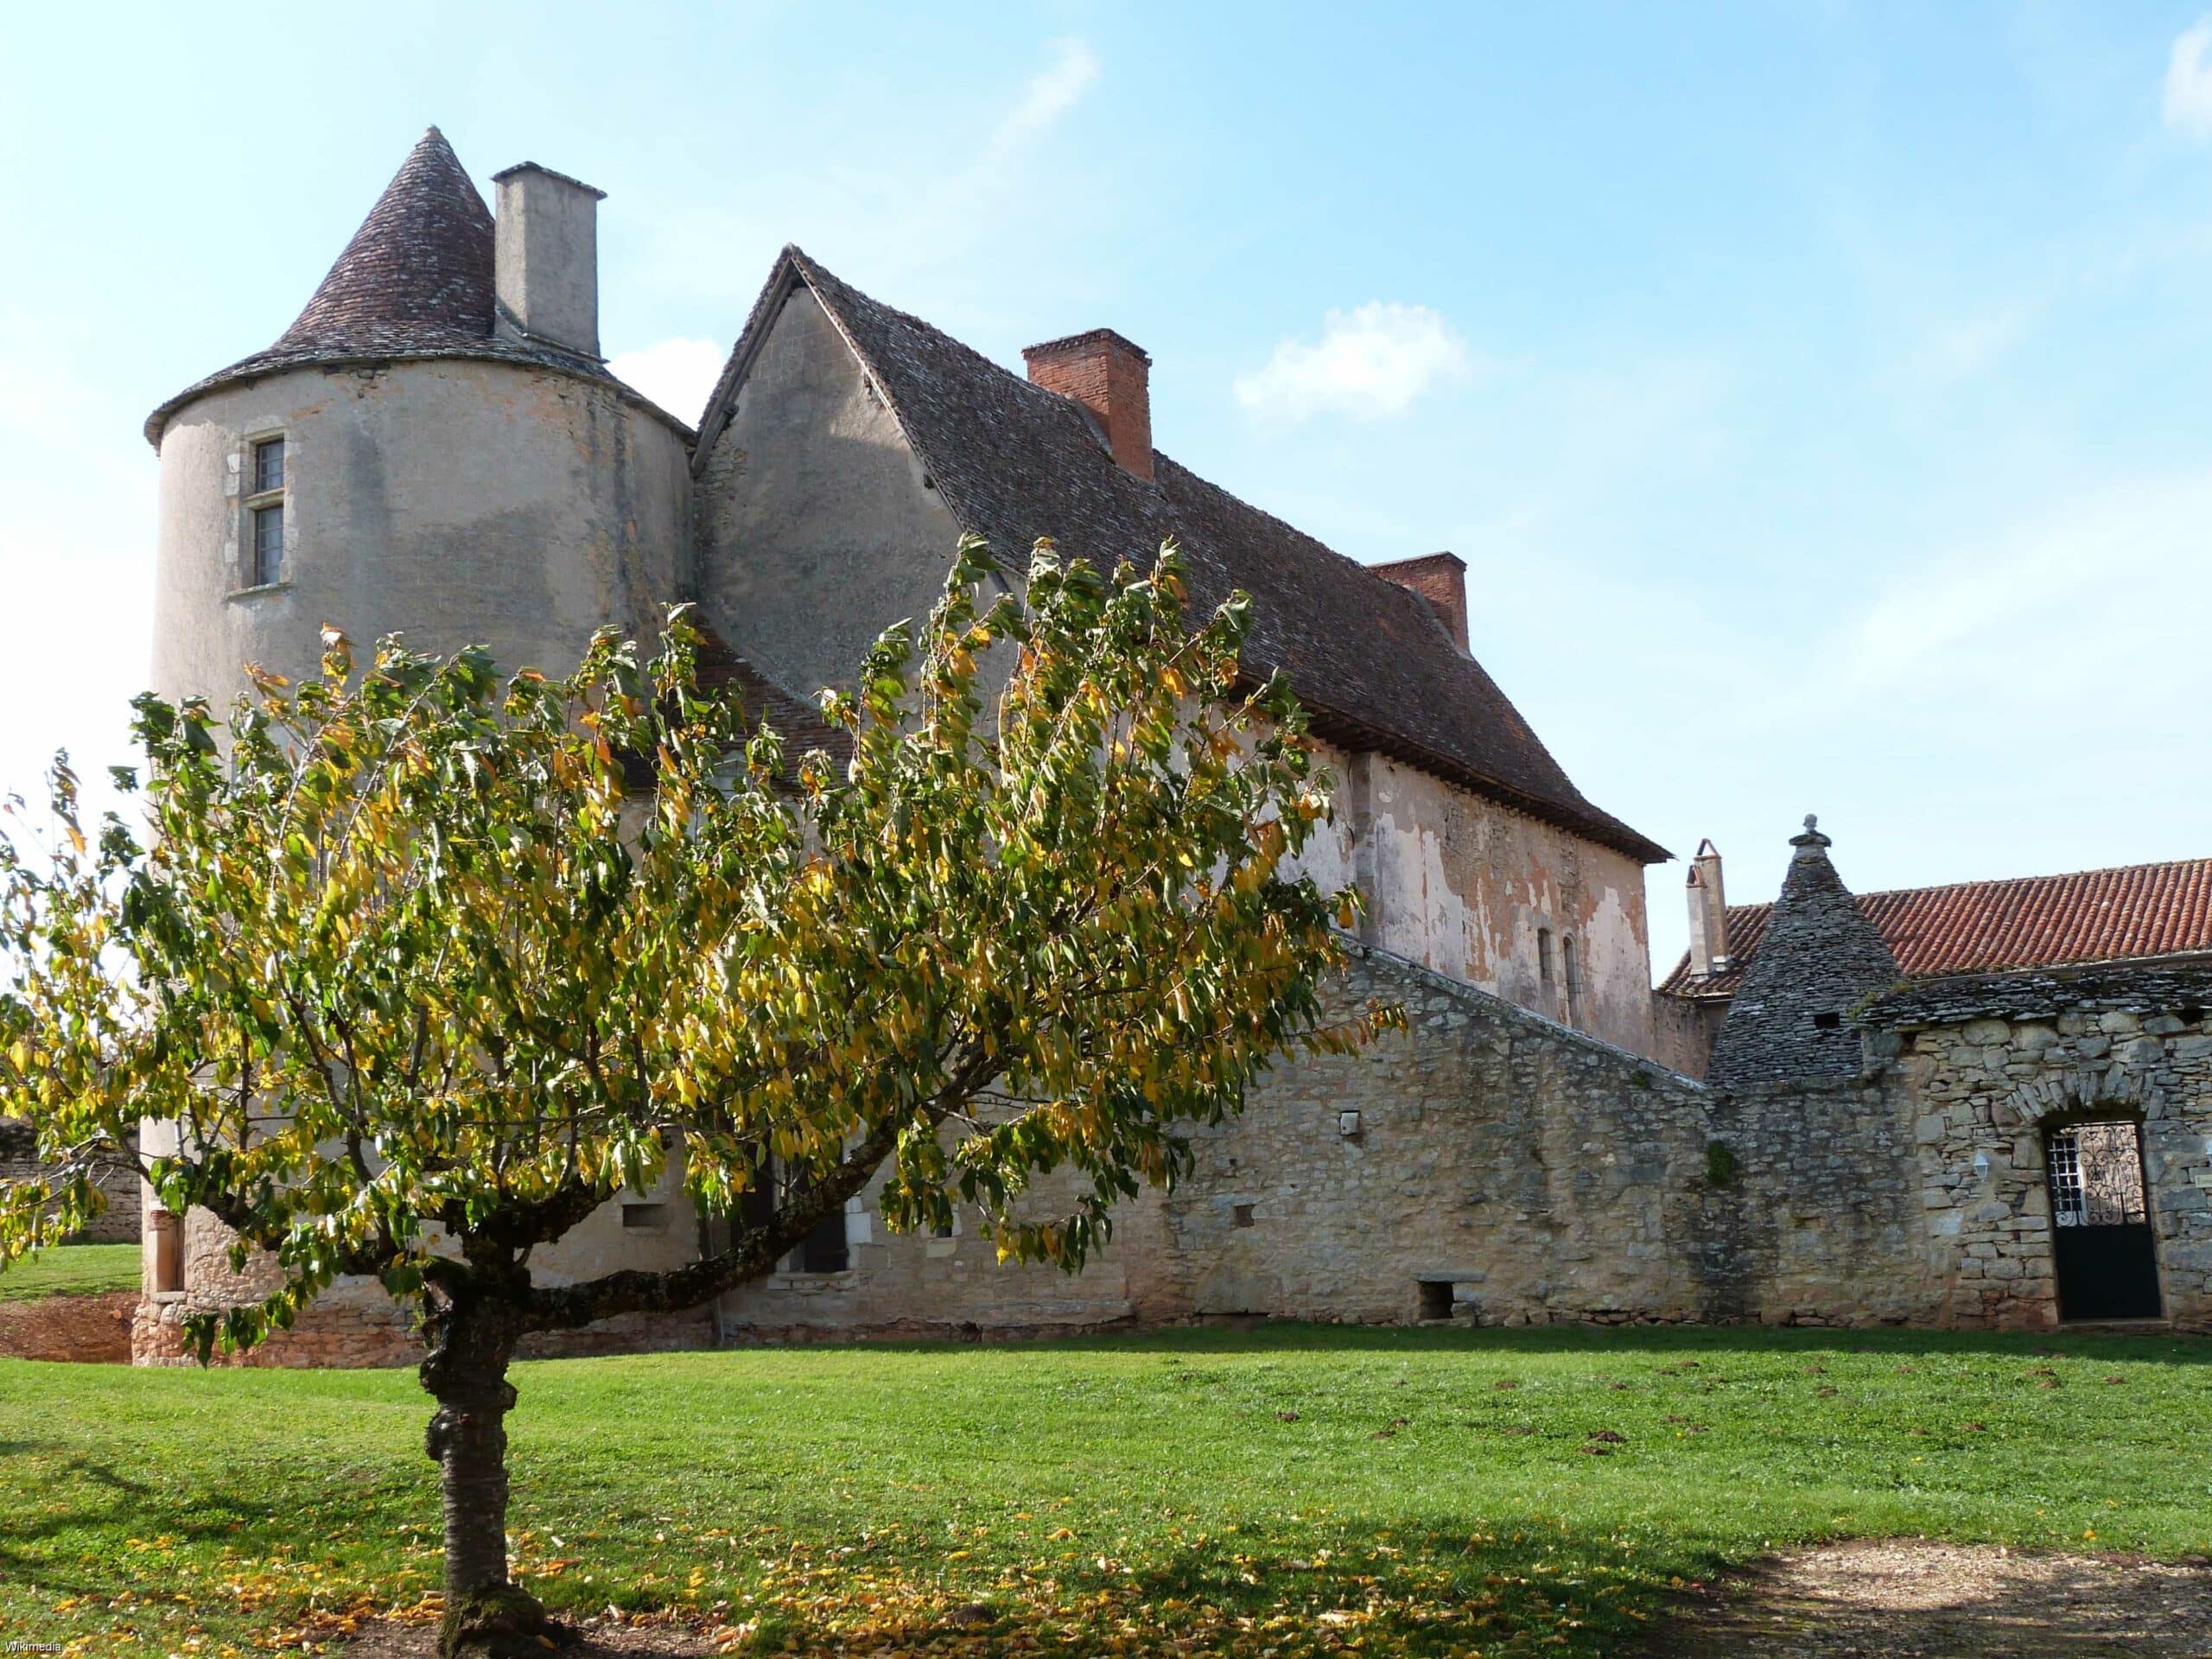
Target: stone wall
point(1991, 1064)
point(1494, 1165)
point(118, 1223)
point(1542, 1176)
point(355, 1324)
point(1491, 1166)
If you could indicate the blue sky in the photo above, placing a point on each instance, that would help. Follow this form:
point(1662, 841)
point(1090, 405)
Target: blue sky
point(1817, 393)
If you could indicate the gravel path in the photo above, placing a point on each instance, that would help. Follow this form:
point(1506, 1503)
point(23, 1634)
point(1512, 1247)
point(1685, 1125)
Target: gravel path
point(1907, 1600)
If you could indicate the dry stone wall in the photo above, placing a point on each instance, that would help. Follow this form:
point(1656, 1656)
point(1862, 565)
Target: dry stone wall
point(1495, 1165)
point(118, 1223)
point(1490, 1166)
point(1991, 1064)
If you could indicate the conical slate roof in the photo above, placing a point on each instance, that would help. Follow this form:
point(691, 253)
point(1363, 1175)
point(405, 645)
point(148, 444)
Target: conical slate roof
point(1821, 954)
point(415, 281)
point(418, 272)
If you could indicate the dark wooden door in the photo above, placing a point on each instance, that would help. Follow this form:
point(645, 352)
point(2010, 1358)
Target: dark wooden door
point(2101, 1246)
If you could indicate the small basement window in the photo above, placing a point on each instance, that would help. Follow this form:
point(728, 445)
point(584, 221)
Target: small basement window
point(645, 1218)
point(1241, 1214)
point(1829, 1021)
point(1436, 1298)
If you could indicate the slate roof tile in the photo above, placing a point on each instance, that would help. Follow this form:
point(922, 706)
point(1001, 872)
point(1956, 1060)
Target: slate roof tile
point(1013, 463)
point(415, 281)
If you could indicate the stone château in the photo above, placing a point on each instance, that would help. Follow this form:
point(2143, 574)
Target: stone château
point(435, 446)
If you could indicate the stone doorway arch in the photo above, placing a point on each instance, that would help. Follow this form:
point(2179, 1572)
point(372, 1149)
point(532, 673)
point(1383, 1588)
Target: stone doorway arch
point(2103, 1249)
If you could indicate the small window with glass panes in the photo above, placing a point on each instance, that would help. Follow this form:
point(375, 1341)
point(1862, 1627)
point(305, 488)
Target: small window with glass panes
point(264, 513)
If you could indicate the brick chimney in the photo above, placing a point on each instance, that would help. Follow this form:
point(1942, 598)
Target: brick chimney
point(1109, 377)
point(1708, 914)
point(1439, 578)
point(545, 258)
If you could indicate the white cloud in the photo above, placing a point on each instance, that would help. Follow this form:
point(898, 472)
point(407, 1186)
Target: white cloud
point(2063, 617)
point(1048, 95)
point(2189, 82)
point(1369, 363)
point(677, 374)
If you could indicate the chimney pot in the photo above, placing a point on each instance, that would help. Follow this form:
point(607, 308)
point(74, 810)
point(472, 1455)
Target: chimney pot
point(1110, 377)
point(1439, 578)
point(1708, 914)
point(545, 260)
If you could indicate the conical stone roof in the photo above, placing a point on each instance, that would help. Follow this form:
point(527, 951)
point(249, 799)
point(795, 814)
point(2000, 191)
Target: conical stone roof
point(418, 272)
point(1791, 1020)
point(415, 281)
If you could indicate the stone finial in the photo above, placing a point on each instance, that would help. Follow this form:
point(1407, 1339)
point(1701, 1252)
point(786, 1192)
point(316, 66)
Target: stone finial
point(1791, 1018)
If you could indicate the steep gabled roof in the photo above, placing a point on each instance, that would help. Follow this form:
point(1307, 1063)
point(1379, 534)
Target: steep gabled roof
point(415, 281)
point(1013, 461)
point(2136, 912)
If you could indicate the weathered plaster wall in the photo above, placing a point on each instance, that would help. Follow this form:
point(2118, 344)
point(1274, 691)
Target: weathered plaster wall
point(1992, 1064)
point(1463, 884)
point(460, 502)
point(816, 527)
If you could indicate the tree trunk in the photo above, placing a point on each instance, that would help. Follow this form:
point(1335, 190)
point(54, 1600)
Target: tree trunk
point(487, 1617)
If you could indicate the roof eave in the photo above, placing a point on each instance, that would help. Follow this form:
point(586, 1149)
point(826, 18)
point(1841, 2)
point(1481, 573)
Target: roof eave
point(247, 371)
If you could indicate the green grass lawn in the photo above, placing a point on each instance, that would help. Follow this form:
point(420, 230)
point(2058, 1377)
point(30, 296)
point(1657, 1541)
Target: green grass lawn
point(71, 1270)
point(1293, 1489)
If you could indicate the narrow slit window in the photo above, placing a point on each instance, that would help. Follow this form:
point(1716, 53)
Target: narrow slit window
point(1544, 955)
point(1571, 969)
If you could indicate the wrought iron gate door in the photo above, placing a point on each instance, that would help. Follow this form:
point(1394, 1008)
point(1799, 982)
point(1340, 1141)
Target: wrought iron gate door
point(2100, 1227)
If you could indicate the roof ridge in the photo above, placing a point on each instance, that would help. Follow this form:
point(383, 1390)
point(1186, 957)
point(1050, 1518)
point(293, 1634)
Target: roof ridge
point(1368, 658)
point(2051, 876)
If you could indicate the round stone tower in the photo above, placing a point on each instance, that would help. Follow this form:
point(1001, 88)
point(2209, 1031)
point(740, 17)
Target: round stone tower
point(433, 448)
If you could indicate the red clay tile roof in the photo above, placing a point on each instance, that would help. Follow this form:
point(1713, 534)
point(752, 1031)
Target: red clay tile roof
point(1368, 658)
point(415, 281)
point(2138, 912)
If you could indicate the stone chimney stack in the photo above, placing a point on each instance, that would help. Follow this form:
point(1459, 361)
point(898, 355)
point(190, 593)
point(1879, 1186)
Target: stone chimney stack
point(545, 260)
point(1439, 578)
point(1708, 914)
point(1109, 377)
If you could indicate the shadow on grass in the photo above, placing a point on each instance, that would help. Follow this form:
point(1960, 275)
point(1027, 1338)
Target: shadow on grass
point(91, 1497)
point(1383, 1590)
point(1234, 1338)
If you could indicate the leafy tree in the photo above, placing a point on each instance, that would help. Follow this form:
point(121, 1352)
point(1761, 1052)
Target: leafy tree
point(425, 977)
